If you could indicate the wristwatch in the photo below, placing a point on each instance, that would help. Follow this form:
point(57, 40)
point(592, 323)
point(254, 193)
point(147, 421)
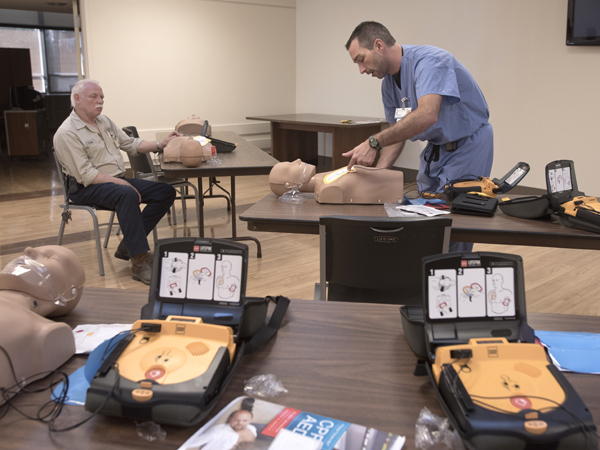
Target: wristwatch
point(374, 143)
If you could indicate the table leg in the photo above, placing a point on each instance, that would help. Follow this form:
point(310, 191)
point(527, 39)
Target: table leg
point(201, 209)
point(234, 236)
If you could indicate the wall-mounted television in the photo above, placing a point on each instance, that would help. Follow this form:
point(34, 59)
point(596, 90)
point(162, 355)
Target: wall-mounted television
point(583, 22)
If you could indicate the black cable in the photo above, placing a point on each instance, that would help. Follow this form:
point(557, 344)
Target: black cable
point(51, 410)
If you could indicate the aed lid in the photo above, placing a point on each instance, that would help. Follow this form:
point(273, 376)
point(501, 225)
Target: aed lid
point(532, 207)
point(473, 295)
point(561, 182)
point(198, 277)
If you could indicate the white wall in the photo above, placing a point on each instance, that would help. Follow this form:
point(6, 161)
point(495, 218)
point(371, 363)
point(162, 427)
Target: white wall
point(543, 96)
point(160, 61)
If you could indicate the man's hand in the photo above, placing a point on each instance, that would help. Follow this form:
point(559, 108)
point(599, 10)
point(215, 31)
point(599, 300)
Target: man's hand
point(166, 140)
point(363, 154)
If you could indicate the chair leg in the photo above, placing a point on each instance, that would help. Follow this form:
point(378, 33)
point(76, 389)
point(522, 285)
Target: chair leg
point(155, 235)
point(61, 231)
point(173, 214)
point(110, 225)
point(98, 245)
point(183, 193)
point(197, 197)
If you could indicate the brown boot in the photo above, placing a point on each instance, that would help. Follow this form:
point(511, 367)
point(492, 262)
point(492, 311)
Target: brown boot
point(141, 268)
point(122, 252)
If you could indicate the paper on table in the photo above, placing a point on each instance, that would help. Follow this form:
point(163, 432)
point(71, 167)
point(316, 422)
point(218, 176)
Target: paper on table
point(88, 337)
point(395, 210)
point(571, 351)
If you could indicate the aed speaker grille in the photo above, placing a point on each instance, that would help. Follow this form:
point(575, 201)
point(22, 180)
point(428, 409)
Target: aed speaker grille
point(197, 348)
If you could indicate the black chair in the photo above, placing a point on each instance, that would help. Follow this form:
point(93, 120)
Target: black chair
point(68, 205)
point(143, 166)
point(378, 259)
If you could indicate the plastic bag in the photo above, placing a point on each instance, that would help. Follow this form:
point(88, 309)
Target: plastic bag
point(432, 430)
point(150, 431)
point(264, 386)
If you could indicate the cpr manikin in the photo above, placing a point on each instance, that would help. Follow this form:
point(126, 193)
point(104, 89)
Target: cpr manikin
point(186, 150)
point(361, 185)
point(43, 282)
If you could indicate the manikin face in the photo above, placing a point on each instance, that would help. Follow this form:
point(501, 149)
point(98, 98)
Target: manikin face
point(50, 272)
point(90, 101)
point(240, 420)
point(291, 173)
point(371, 62)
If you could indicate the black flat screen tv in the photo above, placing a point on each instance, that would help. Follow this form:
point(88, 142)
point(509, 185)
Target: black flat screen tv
point(583, 22)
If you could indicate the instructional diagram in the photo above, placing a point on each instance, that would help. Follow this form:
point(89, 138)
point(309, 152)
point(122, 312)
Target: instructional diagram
point(201, 276)
point(560, 179)
point(471, 292)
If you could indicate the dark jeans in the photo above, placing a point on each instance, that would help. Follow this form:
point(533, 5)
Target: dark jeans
point(135, 223)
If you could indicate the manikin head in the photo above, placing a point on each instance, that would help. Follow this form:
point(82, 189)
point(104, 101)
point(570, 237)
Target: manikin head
point(285, 175)
point(49, 279)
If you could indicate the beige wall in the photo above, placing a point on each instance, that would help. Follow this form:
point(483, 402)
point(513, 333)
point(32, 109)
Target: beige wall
point(543, 96)
point(160, 61)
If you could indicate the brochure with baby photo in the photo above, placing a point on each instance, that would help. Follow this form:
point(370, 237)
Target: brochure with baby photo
point(253, 424)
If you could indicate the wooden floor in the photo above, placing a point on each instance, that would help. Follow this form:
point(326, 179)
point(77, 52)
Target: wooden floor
point(557, 281)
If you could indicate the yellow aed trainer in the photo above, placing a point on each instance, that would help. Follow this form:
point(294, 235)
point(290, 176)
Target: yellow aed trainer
point(164, 371)
point(496, 386)
point(486, 185)
point(574, 208)
point(179, 357)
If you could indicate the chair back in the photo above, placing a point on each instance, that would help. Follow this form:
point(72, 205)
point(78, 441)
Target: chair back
point(379, 259)
point(63, 177)
point(141, 164)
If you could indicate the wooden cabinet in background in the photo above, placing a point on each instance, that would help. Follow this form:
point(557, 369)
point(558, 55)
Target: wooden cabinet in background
point(26, 131)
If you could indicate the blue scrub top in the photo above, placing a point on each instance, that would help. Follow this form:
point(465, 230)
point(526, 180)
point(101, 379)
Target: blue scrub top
point(431, 70)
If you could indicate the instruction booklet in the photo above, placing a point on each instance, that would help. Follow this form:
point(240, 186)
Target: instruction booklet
point(253, 424)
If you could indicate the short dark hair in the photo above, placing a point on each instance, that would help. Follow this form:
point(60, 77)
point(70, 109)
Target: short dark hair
point(368, 32)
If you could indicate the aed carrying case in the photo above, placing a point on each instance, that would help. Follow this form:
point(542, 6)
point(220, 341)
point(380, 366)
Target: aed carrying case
point(495, 385)
point(575, 209)
point(179, 357)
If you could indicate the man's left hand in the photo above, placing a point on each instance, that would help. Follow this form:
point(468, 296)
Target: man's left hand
point(363, 154)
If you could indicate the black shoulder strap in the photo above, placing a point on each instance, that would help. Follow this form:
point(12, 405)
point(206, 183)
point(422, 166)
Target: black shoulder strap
point(268, 330)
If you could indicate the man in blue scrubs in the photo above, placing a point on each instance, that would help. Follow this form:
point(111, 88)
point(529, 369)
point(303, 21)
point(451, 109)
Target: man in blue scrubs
point(428, 96)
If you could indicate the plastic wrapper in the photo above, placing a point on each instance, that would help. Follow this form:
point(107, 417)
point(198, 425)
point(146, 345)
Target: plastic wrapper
point(434, 432)
point(264, 386)
point(150, 431)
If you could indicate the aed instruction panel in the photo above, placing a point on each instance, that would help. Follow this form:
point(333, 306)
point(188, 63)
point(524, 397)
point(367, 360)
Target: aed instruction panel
point(483, 288)
point(201, 275)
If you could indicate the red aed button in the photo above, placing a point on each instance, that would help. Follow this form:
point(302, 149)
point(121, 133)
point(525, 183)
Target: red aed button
point(154, 374)
point(521, 402)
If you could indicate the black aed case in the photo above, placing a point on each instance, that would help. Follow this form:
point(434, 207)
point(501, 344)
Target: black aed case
point(493, 382)
point(193, 332)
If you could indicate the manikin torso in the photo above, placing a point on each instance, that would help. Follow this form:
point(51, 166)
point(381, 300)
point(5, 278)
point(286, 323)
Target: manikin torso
point(44, 281)
point(362, 185)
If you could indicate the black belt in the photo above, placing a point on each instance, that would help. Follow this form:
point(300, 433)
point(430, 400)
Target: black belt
point(434, 154)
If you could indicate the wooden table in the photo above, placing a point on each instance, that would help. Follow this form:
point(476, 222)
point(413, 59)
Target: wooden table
point(295, 136)
point(246, 159)
point(343, 360)
point(269, 214)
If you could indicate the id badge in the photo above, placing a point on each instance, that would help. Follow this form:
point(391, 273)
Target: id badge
point(401, 112)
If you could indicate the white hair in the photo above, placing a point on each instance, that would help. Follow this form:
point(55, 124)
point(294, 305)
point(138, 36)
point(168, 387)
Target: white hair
point(78, 88)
